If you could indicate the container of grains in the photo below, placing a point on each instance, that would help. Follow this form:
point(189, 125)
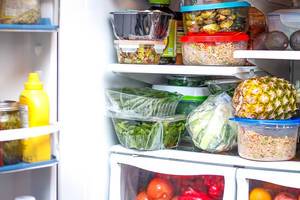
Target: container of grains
point(139, 51)
point(215, 17)
point(267, 140)
point(217, 49)
point(10, 118)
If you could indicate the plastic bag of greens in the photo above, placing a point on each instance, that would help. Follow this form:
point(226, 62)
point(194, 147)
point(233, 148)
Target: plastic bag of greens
point(209, 124)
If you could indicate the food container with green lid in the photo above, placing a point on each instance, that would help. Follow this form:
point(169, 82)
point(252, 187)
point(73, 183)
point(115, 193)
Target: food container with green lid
point(222, 85)
point(143, 101)
point(267, 140)
point(139, 52)
point(215, 17)
point(189, 81)
point(192, 97)
point(217, 49)
point(148, 133)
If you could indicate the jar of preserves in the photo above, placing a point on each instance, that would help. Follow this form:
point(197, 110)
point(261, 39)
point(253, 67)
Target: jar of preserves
point(10, 118)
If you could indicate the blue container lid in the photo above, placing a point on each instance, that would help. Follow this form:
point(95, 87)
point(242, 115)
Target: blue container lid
point(288, 122)
point(214, 6)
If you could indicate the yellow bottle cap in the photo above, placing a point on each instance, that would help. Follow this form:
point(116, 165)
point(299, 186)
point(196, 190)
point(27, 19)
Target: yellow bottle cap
point(33, 82)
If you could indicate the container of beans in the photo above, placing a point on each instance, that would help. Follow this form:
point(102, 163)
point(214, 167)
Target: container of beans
point(217, 49)
point(215, 17)
point(267, 140)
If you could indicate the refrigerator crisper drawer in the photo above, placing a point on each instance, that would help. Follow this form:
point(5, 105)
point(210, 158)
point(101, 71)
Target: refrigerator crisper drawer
point(267, 184)
point(131, 175)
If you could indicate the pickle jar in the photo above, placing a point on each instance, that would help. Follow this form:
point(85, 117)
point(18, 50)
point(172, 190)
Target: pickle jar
point(10, 118)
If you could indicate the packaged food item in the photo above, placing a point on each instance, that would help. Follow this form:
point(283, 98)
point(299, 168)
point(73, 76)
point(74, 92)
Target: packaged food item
point(210, 127)
point(179, 34)
point(267, 140)
point(222, 85)
point(20, 11)
point(139, 52)
point(182, 80)
point(217, 17)
point(10, 118)
point(143, 101)
point(217, 49)
point(148, 133)
point(141, 25)
point(192, 97)
point(36, 100)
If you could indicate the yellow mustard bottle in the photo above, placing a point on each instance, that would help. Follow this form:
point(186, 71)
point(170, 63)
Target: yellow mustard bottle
point(36, 100)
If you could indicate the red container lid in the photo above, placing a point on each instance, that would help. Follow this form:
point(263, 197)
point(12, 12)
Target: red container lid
point(218, 37)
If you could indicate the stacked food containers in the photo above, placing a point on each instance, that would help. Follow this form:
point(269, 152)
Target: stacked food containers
point(214, 31)
point(140, 35)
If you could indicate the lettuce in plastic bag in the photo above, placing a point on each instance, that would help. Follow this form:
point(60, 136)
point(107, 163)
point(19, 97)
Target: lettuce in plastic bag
point(210, 127)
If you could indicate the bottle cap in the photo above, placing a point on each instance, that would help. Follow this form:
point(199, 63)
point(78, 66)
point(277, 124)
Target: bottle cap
point(33, 82)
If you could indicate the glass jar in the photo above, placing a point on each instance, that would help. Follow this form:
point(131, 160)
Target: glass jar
point(10, 118)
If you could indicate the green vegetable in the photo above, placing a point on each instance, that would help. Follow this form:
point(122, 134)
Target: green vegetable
point(144, 134)
point(209, 124)
point(144, 101)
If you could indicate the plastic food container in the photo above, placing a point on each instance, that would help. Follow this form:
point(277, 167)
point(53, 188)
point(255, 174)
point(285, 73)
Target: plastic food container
point(267, 140)
point(141, 25)
point(190, 81)
point(143, 101)
point(10, 118)
point(287, 21)
point(150, 133)
point(139, 52)
point(222, 85)
point(201, 2)
point(217, 49)
point(20, 11)
point(192, 97)
point(216, 17)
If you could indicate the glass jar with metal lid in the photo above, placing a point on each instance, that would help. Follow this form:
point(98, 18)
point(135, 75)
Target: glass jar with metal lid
point(10, 118)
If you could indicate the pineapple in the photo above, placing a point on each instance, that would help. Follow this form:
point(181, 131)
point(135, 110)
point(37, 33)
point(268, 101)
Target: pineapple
point(265, 98)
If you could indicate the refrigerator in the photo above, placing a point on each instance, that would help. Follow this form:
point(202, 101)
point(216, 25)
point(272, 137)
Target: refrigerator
point(76, 59)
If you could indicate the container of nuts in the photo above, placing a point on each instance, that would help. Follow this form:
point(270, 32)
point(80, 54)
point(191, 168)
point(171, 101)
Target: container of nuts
point(267, 140)
point(217, 49)
point(215, 17)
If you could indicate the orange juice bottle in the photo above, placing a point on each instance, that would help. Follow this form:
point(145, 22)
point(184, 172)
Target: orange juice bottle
point(36, 101)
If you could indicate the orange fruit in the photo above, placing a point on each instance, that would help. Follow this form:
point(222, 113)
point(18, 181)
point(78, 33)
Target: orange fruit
point(260, 194)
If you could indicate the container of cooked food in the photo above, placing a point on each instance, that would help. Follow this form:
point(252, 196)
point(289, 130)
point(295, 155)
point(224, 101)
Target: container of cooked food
point(139, 52)
point(143, 101)
point(141, 25)
point(217, 49)
point(267, 140)
point(20, 11)
point(189, 81)
point(148, 133)
point(222, 85)
point(215, 17)
point(201, 2)
point(10, 118)
point(192, 97)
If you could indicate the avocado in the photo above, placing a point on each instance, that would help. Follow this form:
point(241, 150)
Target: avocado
point(277, 40)
point(295, 40)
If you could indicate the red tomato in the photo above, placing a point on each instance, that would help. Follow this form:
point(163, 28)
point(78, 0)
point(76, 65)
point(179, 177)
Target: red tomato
point(142, 196)
point(285, 196)
point(160, 189)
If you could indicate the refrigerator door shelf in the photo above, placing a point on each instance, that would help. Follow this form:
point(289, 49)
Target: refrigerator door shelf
point(163, 166)
point(278, 178)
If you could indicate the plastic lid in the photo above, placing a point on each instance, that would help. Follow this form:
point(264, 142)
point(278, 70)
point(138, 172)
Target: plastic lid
point(218, 37)
point(6, 106)
point(33, 82)
point(222, 81)
point(185, 91)
point(25, 198)
point(164, 2)
point(288, 122)
point(285, 11)
point(194, 98)
point(214, 6)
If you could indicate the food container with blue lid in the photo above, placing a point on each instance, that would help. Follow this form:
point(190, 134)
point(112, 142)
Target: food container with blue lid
point(267, 140)
point(215, 17)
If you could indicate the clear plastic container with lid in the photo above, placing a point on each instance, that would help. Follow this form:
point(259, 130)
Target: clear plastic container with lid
point(217, 49)
point(139, 51)
point(201, 2)
point(215, 17)
point(189, 81)
point(267, 140)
